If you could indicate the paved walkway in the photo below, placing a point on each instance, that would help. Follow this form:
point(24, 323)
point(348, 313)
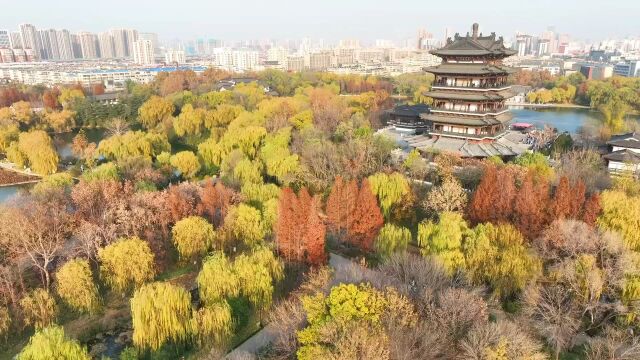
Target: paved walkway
point(342, 267)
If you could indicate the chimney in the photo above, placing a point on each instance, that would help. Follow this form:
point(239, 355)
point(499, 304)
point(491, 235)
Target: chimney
point(475, 30)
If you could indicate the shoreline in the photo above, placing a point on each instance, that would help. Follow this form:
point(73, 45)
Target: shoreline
point(549, 106)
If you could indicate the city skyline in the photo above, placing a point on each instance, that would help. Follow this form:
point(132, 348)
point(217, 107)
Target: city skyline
point(286, 19)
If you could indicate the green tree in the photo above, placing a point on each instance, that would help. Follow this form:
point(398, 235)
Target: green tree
point(52, 182)
point(76, 287)
point(621, 213)
point(244, 223)
point(444, 239)
point(193, 236)
point(133, 144)
point(35, 149)
point(216, 280)
point(155, 111)
point(69, 95)
point(190, 122)
point(9, 132)
point(39, 308)
point(187, 163)
point(51, 343)
point(391, 239)
point(213, 325)
point(497, 255)
point(390, 189)
point(126, 263)
point(537, 163)
point(160, 313)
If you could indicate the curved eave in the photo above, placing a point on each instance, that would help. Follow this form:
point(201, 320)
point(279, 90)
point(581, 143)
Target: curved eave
point(468, 121)
point(452, 52)
point(466, 69)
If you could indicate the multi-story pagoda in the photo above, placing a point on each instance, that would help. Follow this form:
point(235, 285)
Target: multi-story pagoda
point(470, 89)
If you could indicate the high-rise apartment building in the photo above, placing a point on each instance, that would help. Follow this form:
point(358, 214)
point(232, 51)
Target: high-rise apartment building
point(76, 48)
point(279, 54)
point(153, 37)
point(30, 39)
point(121, 49)
point(174, 57)
point(89, 45)
point(5, 40)
point(143, 52)
point(132, 36)
point(105, 44)
point(65, 47)
point(16, 40)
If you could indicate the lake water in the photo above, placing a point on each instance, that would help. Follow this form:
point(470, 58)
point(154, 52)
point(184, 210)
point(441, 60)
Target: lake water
point(63, 141)
point(570, 120)
point(8, 192)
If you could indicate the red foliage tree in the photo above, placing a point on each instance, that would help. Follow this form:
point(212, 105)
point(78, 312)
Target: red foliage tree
point(562, 200)
point(10, 95)
point(481, 206)
point(591, 210)
point(366, 220)
point(314, 236)
point(183, 200)
point(530, 206)
point(97, 89)
point(340, 205)
point(50, 98)
point(578, 198)
point(215, 201)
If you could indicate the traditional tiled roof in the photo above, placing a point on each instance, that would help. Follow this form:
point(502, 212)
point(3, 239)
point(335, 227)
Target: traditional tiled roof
point(469, 69)
point(410, 110)
point(623, 156)
point(470, 120)
point(470, 96)
point(503, 145)
point(474, 45)
point(625, 143)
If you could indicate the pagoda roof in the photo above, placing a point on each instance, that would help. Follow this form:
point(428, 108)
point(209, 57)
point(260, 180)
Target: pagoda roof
point(469, 121)
point(474, 45)
point(470, 95)
point(469, 69)
point(624, 156)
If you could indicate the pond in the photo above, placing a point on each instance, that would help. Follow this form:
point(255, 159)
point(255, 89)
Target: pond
point(570, 120)
point(8, 192)
point(63, 141)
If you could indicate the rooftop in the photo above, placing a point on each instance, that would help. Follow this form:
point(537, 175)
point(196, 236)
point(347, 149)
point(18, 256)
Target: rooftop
point(469, 69)
point(474, 45)
point(623, 156)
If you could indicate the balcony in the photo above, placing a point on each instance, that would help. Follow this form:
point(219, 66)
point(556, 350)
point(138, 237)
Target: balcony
point(463, 111)
point(481, 87)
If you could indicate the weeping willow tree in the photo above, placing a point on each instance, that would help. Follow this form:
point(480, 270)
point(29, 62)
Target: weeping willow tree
point(126, 263)
point(161, 313)
point(39, 308)
point(213, 325)
point(51, 343)
point(76, 287)
point(390, 189)
point(192, 236)
point(251, 276)
point(216, 280)
point(392, 238)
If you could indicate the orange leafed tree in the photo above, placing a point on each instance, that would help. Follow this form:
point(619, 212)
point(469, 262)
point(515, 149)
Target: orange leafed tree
point(340, 205)
point(215, 202)
point(366, 219)
point(530, 206)
point(481, 207)
point(562, 199)
point(300, 232)
point(591, 210)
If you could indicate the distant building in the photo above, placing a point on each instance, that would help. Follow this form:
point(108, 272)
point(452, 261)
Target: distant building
point(321, 60)
point(5, 39)
point(596, 71)
point(295, 63)
point(143, 52)
point(627, 69)
point(174, 57)
point(16, 40)
point(89, 45)
point(29, 39)
point(106, 46)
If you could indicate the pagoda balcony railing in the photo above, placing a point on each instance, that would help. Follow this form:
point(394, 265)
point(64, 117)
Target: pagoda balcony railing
point(492, 86)
point(464, 135)
point(495, 111)
point(410, 124)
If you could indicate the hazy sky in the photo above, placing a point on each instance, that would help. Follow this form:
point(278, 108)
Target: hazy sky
point(328, 19)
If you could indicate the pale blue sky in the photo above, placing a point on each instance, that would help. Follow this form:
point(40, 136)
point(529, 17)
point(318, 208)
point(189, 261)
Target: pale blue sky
point(328, 19)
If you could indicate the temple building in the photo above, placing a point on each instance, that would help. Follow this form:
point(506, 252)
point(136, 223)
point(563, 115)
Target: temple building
point(470, 88)
point(468, 114)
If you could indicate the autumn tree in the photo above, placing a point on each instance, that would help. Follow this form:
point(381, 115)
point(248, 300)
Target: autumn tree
point(497, 255)
point(155, 111)
point(340, 205)
point(39, 308)
point(390, 189)
point(51, 343)
point(76, 287)
point(213, 325)
point(193, 236)
point(448, 196)
point(216, 200)
point(591, 209)
point(366, 219)
point(126, 263)
point(186, 162)
point(561, 204)
point(621, 213)
point(392, 238)
point(300, 233)
point(493, 200)
point(133, 144)
point(60, 121)
point(160, 313)
point(243, 224)
point(530, 206)
point(34, 149)
point(444, 239)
